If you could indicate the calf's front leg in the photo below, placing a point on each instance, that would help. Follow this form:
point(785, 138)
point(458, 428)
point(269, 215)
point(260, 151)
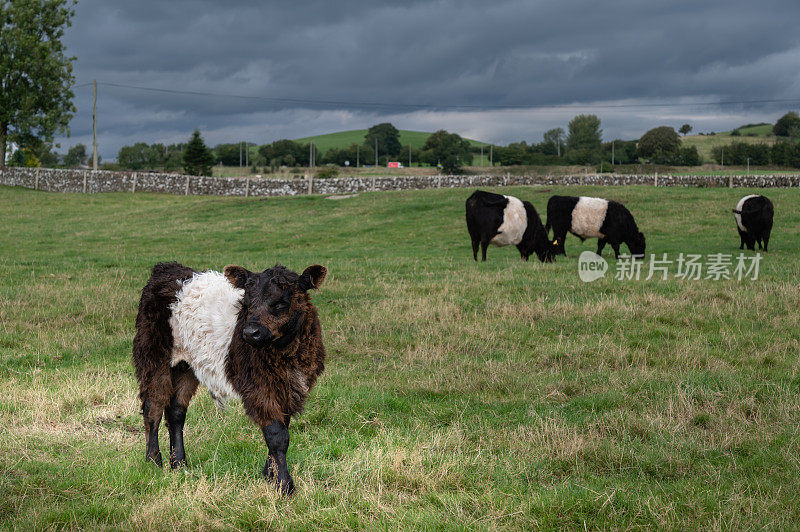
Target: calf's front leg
point(276, 434)
point(152, 412)
point(176, 417)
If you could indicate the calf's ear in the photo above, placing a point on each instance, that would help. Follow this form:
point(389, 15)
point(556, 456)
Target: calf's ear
point(237, 275)
point(312, 277)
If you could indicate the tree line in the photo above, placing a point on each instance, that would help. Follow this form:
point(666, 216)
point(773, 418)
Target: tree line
point(581, 144)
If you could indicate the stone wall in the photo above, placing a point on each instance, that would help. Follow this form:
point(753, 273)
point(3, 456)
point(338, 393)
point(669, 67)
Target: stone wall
point(87, 181)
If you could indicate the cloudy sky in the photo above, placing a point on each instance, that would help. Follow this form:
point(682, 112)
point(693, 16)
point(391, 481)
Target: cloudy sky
point(498, 71)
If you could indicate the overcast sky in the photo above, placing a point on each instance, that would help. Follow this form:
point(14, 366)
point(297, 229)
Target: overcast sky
point(497, 71)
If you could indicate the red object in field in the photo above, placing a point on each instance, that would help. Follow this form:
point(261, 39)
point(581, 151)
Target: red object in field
point(393, 165)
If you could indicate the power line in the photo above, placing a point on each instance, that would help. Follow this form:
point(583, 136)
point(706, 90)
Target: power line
point(351, 103)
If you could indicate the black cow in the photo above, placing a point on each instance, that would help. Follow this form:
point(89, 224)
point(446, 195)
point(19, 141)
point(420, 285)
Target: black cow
point(608, 221)
point(506, 220)
point(753, 216)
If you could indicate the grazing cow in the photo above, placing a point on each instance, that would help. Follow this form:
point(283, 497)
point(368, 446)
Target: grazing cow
point(503, 221)
point(753, 216)
point(253, 336)
point(608, 221)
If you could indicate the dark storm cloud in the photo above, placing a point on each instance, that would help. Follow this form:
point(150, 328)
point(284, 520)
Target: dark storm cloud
point(472, 54)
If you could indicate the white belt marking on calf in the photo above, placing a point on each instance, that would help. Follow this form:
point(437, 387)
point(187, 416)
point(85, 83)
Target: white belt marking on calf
point(739, 206)
point(515, 221)
point(588, 217)
point(202, 322)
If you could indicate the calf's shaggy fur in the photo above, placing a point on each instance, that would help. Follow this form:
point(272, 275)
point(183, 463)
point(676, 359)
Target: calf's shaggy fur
point(243, 335)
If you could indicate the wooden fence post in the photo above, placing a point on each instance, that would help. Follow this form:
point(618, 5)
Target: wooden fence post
point(84, 181)
point(247, 189)
point(133, 189)
point(655, 181)
point(310, 179)
point(730, 179)
point(36, 182)
point(372, 183)
point(186, 188)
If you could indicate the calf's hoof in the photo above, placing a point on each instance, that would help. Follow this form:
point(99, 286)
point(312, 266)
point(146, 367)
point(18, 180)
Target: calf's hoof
point(285, 486)
point(155, 458)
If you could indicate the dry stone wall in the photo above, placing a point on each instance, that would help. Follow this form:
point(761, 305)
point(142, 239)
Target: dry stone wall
point(90, 182)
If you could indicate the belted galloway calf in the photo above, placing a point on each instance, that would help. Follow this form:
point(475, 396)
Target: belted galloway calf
point(243, 335)
point(608, 221)
point(753, 216)
point(503, 221)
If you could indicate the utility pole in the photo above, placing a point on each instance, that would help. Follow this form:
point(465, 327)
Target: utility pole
point(310, 154)
point(240, 154)
point(481, 155)
point(748, 166)
point(94, 126)
point(358, 162)
point(722, 159)
point(376, 152)
point(612, 153)
point(491, 159)
point(246, 154)
point(409, 155)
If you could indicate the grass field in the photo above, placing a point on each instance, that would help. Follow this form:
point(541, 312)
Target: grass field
point(457, 395)
point(706, 143)
point(344, 139)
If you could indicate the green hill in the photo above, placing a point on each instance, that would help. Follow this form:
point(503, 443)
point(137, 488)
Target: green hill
point(705, 143)
point(758, 130)
point(343, 139)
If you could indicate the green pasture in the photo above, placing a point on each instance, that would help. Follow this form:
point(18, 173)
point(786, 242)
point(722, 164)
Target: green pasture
point(457, 395)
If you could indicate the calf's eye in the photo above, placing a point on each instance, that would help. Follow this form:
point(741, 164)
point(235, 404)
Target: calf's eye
point(279, 307)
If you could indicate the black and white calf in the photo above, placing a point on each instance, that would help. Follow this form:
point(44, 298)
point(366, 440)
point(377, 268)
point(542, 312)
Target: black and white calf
point(246, 335)
point(504, 221)
point(753, 216)
point(608, 221)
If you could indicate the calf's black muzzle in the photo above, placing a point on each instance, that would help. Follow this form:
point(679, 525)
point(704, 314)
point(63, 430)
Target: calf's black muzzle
point(256, 334)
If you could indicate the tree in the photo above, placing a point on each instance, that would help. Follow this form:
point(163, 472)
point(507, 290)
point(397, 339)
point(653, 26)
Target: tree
point(659, 144)
point(786, 153)
point(133, 157)
point(622, 151)
point(35, 74)
point(584, 142)
point(737, 153)
point(554, 140)
point(230, 154)
point(785, 124)
point(197, 158)
point(25, 157)
point(447, 149)
point(285, 152)
point(685, 129)
point(174, 159)
point(75, 156)
point(388, 138)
